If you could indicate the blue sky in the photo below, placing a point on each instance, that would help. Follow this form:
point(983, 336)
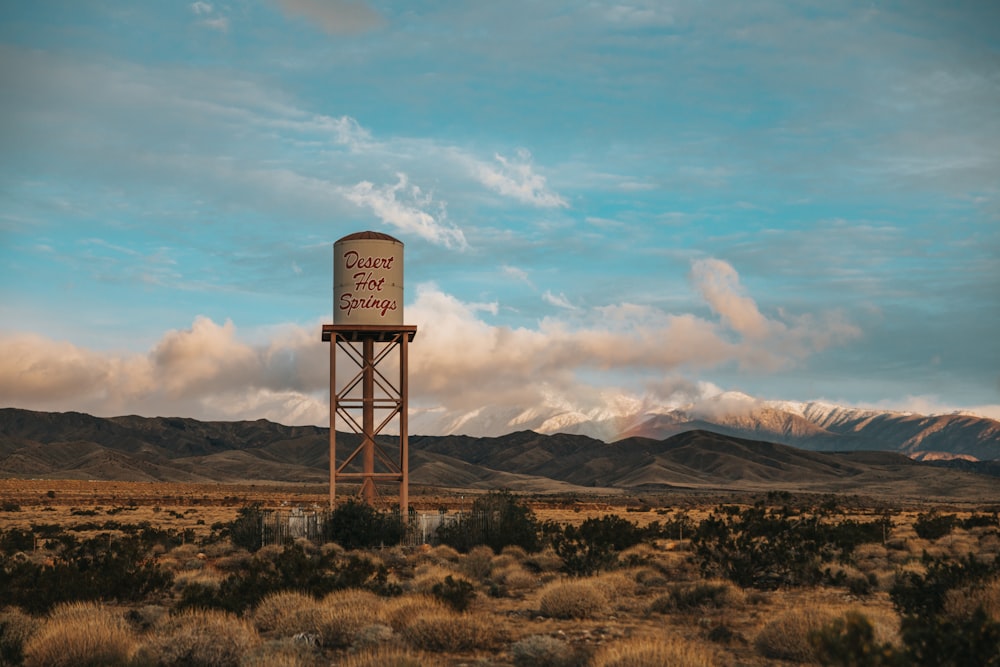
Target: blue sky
point(600, 202)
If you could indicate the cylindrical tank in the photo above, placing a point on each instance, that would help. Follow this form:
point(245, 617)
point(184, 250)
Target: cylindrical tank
point(368, 280)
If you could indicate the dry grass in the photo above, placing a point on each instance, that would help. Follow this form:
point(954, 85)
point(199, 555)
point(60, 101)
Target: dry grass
point(199, 638)
point(451, 632)
point(286, 613)
point(786, 637)
point(572, 599)
point(391, 657)
point(16, 627)
point(81, 634)
point(427, 575)
point(342, 615)
point(400, 612)
point(648, 652)
point(961, 604)
point(477, 563)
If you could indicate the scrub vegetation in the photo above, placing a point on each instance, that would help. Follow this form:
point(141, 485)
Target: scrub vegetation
point(751, 580)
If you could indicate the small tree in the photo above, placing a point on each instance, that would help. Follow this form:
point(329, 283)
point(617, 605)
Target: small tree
point(497, 520)
point(356, 525)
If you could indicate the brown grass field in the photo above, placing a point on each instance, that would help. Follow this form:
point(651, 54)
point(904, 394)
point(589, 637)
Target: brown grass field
point(622, 617)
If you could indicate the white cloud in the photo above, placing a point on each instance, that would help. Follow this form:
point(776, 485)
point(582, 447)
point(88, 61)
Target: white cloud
point(402, 206)
point(516, 178)
point(459, 362)
point(516, 273)
point(559, 301)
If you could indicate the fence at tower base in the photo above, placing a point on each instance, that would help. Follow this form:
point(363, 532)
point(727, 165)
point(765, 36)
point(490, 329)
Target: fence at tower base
point(278, 526)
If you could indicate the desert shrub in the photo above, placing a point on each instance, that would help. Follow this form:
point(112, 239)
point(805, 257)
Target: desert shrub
point(246, 530)
point(546, 561)
point(701, 595)
point(786, 637)
point(79, 635)
point(930, 635)
point(767, 549)
point(545, 651)
point(478, 562)
point(572, 599)
point(290, 568)
point(357, 525)
point(849, 640)
point(286, 613)
point(450, 632)
point(16, 539)
point(456, 593)
point(444, 553)
point(199, 638)
point(594, 545)
point(399, 612)
point(614, 585)
point(16, 628)
point(342, 615)
point(512, 581)
point(932, 526)
point(654, 653)
point(425, 576)
point(514, 551)
point(94, 569)
point(962, 603)
point(497, 520)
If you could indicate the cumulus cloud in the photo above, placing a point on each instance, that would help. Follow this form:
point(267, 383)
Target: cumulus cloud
point(403, 206)
point(335, 16)
point(516, 178)
point(458, 363)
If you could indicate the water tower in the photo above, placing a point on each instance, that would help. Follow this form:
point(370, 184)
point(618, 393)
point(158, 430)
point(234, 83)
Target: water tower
point(369, 333)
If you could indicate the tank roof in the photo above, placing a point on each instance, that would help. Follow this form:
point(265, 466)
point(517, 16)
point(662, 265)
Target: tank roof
point(369, 236)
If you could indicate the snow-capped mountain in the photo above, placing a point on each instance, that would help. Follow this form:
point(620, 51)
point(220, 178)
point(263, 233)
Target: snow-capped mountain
point(814, 425)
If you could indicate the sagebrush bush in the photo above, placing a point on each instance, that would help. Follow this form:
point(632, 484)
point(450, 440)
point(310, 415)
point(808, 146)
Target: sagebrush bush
point(337, 625)
point(427, 575)
point(572, 599)
point(286, 613)
point(713, 594)
point(786, 637)
point(354, 597)
point(477, 563)
point(962, 603)
point(81, 634)
point(514, 581)
point(16, 627)
point(615, 585)
point(449, 632)
point(400, 612)
point(545, 561)
point(444, 553)
point(644, 652)
point(850, 640)
point(199, 638)
point(545, 651)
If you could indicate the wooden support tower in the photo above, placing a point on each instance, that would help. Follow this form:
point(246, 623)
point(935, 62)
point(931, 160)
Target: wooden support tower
point(367, 402)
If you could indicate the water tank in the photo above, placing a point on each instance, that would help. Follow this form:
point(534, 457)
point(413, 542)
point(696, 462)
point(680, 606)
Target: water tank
point(368, 280)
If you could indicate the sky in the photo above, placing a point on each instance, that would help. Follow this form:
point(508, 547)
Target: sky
point(604, 206)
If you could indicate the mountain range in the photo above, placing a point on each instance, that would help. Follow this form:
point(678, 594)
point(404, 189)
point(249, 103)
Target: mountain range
point(814, 425)
point(79, 446)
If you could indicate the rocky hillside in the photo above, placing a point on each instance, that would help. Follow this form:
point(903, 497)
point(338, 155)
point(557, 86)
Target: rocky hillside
point(79, 446)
